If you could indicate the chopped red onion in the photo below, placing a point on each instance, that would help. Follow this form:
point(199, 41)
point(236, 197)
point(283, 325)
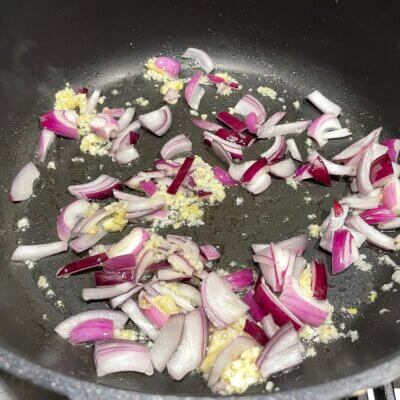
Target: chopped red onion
point(220, 303)
point(46, 139)
point(180, 176)
point(255, 167)
point(323, 103)
point(180, 264)
point(282, 352)
point(131, 309)
point(86, 241)
point(333, 168)
point(194, 91)
point(65, 327)
point(240, 279)
point(270, 304)
point(171, 96)
point(252, 122)
point(362, 202)
point(158, 121)
point(391, 196)
point(231, 121)
point(393, 145)
point(171, 275)
point(206, 125)
point(223, 177)
point(283, 169)
point(122, 298)
point(104, 125)
point(377, 215)
point(373, 236)
point(157, 317)
point(167, 342)
point(92, 102)
point(99, 189)
point(249, 104)
point(120, 262)
point(254, 309)
point(265, 129)
point(240, 138)
point(38, 251)
point(126, 118)
point(233, 149)
point(260, 182)
point(100, 293)
point(69, 217)
point(293, 149)
point(121, 356)
point(319, 282)
point(255, 332)
point(201, 57)
point(114, 112)
point(381, 171)
point(192, 346)
point(276, 152)
point(130, 244)
point(175, 146)
point(289, 128)
point(22, 184)
point(269, 326)
point(230, 353)
point(108, 278)
point(209, 252)
point(334, 222)
point(364, 184)
point(61, 122)
point(92, 330)
point(169, 65)
point(81, 265)
point(319, 172)
point(392, 224)
point(321, 126)
point(309, 310)
point(344, 250)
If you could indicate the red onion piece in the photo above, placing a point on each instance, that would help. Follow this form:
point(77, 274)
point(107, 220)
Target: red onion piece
point(254, 309)
point(321, 126)
point(114, 112)
point(282, 352)
point(296, 245)
point(81, 265)
point(206, 125)
point(104, 125)
point(209, 252)
point(122, 298)
point(171, 275)
point(319, 172)
point(157, 317)
point(276, 152)
point(201, 57)
point(269, 326)
point(169, 65)
point(334, 222)
point(252, 122)
point(126, 118)
point(131, 309)
point(309, 310)
point(134, 181)
point(158, 121)
point(332, 168)
point(344, 250)
point(46, 139)
point(133, 137)
point(362, 202)
point(249, 104)
point(22, 184)
point(265, 129)
point(107, 292)
point(230, 353)
point(108, 278)
point(177, 145)
point(270, 304)
point(393, 145)
point(65, 327)
point(373, 236)
point(252, 170)
point(61, 122)
point(121, 356)
point(130, 244)
point(221, 150)
point(192, 346)
point(260, 182)
point(99, 189)
point(355, 149)
point(86, 241)
point(92, 330)
point(377, 215)
point(323, 103)
point(391, 196)
point(240, 138)
point(293, 149)
point(180, 264)
point(319, 282)
point(234, 149)
point(92, 102)
point(283, 169)
point(167, 341)
point(255, 332)
point(364, 184)
point(38, 251)
point(171, 96)
point(294, 128)
point(302, 173)
point(392, 224)
point(231, 121)
point(381, 171)
point(240, 279)
point(181, 175)
point(220, 303)
point(223, 177)
point(148, 187)
point(194, 91)
point(69, 217)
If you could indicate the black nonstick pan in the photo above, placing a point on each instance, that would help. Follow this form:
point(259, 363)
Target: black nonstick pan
point(349, 50)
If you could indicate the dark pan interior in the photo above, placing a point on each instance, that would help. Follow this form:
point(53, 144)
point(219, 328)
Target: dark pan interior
point(348, 50)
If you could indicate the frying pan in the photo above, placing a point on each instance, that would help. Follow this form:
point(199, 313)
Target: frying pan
point(349, 50)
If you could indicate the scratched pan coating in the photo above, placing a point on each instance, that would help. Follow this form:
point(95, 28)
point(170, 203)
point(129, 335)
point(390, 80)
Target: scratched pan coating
point(282, 46)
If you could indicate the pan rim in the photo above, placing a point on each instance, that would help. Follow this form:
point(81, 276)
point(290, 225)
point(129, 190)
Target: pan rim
point(380, 373)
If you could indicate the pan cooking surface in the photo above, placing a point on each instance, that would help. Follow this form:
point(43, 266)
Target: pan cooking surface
point(276, 214)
